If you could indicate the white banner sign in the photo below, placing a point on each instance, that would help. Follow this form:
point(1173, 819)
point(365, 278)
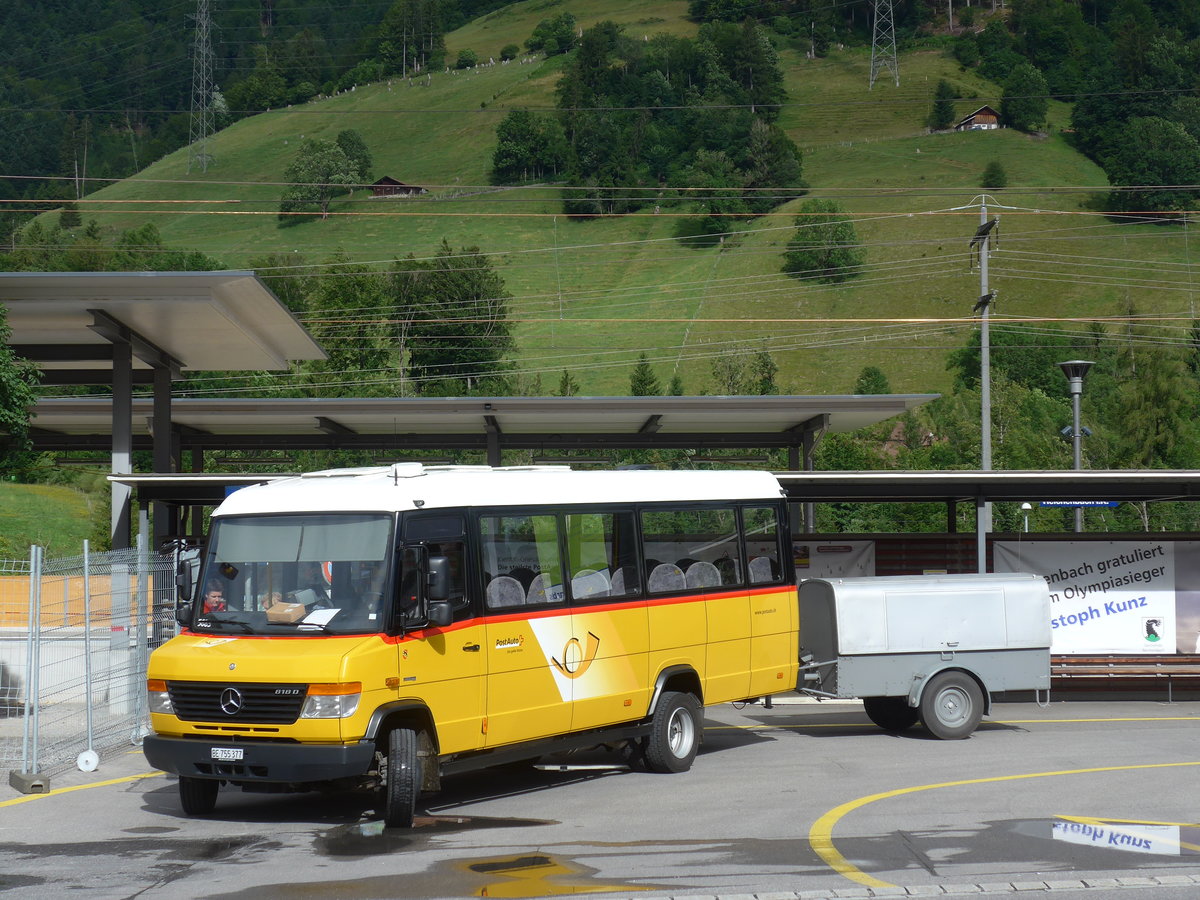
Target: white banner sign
point(1114, 596)
point(833, 559)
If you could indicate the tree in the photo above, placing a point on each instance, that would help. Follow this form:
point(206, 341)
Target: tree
point(745, 373)
point(509, 51)
point(643, 382)
point(1153, 151)
point(320, 171)
point(942, 115)
point(355, 148)
point(69, 217)
point(528, 147)
point(553, 36)
point(18, 394)
point(567, 385)
point(1024, 102)
point(453, 312)
point(825, 247)
point(871, 380)
point(994, 177)
point(467, 59)
point(358, 354)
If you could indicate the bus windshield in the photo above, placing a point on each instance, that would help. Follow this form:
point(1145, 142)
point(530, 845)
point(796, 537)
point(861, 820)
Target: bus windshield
point(307, 574)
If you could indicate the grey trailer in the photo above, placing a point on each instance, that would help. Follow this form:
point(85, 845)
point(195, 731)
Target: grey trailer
point(928, 647)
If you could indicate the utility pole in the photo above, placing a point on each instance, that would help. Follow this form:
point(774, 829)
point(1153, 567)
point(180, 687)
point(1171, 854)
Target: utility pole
point(883, 43)
point(983, 241)
point(201, 123)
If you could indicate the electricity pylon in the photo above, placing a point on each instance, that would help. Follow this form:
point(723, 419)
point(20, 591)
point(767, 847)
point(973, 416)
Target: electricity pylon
point(201, 123)
point(883, 43)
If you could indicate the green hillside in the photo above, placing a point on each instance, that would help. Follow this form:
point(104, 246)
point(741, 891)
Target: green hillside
point(591, 295)
point(57, 518)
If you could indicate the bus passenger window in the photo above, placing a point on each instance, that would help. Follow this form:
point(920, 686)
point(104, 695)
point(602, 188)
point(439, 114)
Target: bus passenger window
point(702, 542)
point(601, 554)
point(511, 543)
point(762, 544)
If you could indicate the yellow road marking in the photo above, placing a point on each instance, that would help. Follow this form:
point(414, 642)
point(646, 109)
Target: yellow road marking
point(78, 787)
point(820, 836)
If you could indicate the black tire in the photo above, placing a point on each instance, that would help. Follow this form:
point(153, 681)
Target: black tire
point(674, 733)
point(890, 713)
point(198, 795)
point(401, 782)
point(951, 706)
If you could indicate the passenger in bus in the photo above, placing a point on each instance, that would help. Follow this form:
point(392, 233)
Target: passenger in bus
point(214, 597)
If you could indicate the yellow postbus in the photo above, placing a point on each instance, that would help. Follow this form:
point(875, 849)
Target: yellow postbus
point(386, 627)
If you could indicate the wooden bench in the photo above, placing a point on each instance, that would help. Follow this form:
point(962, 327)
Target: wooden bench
point(1125, 673)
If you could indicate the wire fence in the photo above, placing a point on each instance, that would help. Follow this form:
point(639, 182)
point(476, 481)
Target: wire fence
point(75, 637)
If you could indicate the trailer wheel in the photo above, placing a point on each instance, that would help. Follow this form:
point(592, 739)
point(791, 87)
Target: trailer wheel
point(401, 779)
point(890, 713)
point(951, 706)
point(674, 733)
point(198, 796)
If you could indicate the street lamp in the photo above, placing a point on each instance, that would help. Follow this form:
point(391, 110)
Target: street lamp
point(1075, 370)
point(1025, 508)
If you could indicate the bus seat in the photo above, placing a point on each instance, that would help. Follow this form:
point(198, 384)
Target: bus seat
point(762, 570)
point(666, 577)
point(702, 574)
point(544, 590)
point(617, 587)
point(504, 591)
point(589, 583)
point(523, 575)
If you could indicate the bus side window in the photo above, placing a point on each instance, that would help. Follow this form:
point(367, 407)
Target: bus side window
point(512, 543)
point(761, 524)
point(444, 535)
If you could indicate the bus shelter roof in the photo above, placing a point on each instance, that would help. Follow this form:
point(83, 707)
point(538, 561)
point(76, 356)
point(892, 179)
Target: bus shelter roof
point(536, 423)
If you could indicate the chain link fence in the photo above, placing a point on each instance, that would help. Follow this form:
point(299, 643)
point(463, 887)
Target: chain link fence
point(75, 637)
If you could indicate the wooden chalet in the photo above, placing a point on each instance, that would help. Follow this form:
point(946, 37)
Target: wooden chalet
point(983, 119)
point(390, 187)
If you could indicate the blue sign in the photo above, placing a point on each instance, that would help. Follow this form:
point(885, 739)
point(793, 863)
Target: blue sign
point(1111, 504)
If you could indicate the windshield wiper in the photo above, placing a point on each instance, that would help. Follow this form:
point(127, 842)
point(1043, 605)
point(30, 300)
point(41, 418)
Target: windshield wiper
point(220, 620)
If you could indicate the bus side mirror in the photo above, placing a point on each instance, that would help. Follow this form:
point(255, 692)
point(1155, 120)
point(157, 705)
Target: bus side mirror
point(437, 591)
point(183, 581)
point(183, 612)
point(438, 578)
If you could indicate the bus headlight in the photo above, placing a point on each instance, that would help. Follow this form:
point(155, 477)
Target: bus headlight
point(331, 701)
point(159, 699)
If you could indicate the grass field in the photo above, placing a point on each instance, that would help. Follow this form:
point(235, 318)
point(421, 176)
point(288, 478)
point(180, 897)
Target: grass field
point(592, 295)
point(59, 519)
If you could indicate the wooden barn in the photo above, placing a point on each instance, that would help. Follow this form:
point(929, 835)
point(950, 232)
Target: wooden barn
point(983, 119)
point(387, 187)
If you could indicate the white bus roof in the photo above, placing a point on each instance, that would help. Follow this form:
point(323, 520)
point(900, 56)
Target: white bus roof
point(409, 486)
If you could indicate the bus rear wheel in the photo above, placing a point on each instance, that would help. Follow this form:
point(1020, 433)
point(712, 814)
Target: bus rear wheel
point(674, 733)
point(198, 796)
point(890, 713)
point(400, 779)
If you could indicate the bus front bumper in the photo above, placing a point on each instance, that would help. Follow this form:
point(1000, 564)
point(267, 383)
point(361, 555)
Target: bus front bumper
point(248, 762)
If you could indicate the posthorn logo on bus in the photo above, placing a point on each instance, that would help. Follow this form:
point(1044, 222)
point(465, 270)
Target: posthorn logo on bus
point(576, 658)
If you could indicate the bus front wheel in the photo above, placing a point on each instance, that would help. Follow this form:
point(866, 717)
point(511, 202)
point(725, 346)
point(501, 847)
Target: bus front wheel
point(198, 795)
point(401, 779)
point(674, 733)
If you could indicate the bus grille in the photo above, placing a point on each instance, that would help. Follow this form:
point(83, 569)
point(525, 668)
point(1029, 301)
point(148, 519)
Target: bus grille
point(202, 701)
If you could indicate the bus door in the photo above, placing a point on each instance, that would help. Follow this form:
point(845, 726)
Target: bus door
point(528, 625)
point(774, 638)
point(445, 668)
point(607, 656)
